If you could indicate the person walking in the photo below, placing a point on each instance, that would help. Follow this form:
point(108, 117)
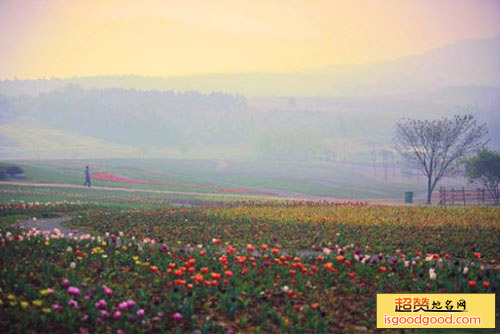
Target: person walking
point(87, 177)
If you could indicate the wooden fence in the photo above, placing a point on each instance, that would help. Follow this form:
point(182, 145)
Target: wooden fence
point(462, 196)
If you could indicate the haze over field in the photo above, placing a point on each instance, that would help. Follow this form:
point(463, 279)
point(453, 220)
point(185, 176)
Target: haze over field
point(265, 80)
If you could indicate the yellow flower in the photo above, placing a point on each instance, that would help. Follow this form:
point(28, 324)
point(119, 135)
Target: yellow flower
point(135, 257)
point(117, 252)
point(24, 304)
point(44, 292)
point(37, 302)
point(138, 263)
point(10, 296)
point(97, 250)
point(46, 310)
point(124, 248)
point(47, 243)
point(104, 243)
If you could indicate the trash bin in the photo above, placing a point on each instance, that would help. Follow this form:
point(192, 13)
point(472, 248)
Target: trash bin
point(409, 197)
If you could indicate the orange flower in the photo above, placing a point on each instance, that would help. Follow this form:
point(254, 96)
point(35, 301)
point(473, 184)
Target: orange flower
point(198, 278)
point(328, 266)
point(340, 258)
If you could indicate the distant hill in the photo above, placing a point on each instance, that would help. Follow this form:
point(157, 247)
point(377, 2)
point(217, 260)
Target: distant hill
point(464, 63)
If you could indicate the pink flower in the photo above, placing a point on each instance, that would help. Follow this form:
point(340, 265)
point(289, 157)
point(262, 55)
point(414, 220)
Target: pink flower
point(65, 283)
point(177, 316)
point(72, 303)
point(73, 291)
point(107, 291)
point(140, 313)
point(101, 304)
point(104, 314)
point(123, 306)
point(131, 303)
point(57, 307)
point(117, 315)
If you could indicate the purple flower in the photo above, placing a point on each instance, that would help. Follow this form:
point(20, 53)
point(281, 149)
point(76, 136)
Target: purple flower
point(131, 303)
point(73, 291)
point(267, 263)
point(177, 316)
point(72, 303)
point(117, 315)
point(101, 304)
point(163, 248)
point(140, 313)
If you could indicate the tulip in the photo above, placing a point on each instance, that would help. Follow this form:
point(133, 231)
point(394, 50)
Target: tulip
point(73, 291)
point(101, 304)
point(117, 315)
point(72, 303)
point(177, 316)
point(106, 290)
point(140, 313)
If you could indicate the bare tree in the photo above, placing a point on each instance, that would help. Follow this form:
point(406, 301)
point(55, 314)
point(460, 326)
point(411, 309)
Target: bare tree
point(434, 147)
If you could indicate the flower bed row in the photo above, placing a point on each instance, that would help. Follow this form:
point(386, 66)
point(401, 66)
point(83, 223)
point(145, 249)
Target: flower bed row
point(121, 284)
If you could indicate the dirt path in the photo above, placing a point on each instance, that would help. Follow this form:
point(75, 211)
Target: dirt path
point(49, 224)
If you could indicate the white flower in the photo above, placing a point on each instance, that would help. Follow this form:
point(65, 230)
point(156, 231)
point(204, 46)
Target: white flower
point(69, 249)
point(407, 263)
point(285, 288)
point(72, 265)
point(326, 251)
point(466, 271)
point(432, 274)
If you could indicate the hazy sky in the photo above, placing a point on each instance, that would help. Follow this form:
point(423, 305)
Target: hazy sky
point(44, 38)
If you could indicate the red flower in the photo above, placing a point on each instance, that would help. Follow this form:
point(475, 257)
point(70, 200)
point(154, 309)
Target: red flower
point(228, 273)
point(477, 255)
point(314, 306)
point(486, 284)
point(340, 258)
point(292, 272)
point(154, 269)
point(383, 269)
point(472, 284)
point(352, 275)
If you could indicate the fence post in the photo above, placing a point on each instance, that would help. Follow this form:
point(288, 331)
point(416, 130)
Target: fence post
point(463, 193)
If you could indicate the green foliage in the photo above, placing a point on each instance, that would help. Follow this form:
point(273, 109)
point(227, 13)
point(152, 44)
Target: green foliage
point(484, 169)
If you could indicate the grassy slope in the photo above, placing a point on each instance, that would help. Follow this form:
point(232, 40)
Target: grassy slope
point(285, 179)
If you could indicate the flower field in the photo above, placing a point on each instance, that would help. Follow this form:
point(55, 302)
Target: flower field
point(245, 268)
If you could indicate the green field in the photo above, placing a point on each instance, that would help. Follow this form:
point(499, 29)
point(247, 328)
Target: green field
point(285, 179)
